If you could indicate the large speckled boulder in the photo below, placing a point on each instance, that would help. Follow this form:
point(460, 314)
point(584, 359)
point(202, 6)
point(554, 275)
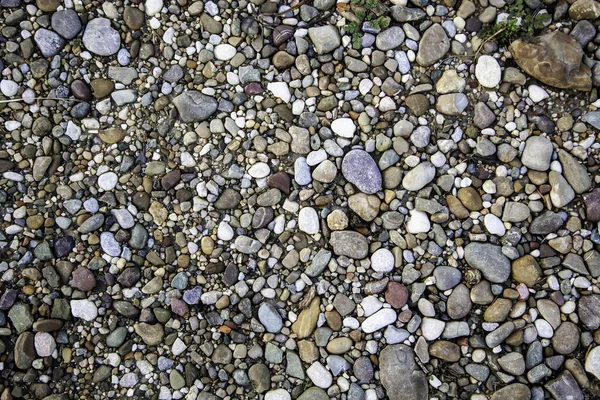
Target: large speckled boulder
point(555, 59)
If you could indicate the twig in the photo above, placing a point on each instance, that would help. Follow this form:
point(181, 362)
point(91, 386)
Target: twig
point(40, 98)
point(488, 39)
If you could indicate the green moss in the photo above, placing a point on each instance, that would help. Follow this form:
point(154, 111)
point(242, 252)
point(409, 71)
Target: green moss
point(519, 25)
point(363, 10)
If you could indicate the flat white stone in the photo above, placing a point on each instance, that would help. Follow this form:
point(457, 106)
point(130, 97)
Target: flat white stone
point(592, 362)
point(537, 94)
point(84, 309)
point(281, 90)
point(8, 87)
point(259, 170)
point(382, 260)
point(380, 319)
point(319, 375)
point(224, 52)
point(107, 181)
point(225, 231)
point(418, 222)
point(432, 328)
point(308, 221)
point(544, 329)
point(44, 344)
point(494, 225)
point(488, 72)
point(343, 127)
point(278, 394)
point(370, 305)
point(153, 7)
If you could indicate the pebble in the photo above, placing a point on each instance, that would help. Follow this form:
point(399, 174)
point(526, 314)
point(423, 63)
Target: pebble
point(100, 38)
point(488, 72)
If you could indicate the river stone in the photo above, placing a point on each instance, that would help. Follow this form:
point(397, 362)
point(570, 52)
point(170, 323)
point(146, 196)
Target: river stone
point(537, 154)
point(152, 335)
point(390, 38)
point(584, 9)
point(555, 59)
point(307, 320)
point(325, 38)
point(488, 259)
point(194, 106)
point(563, 387)
point(400, 375)
point(270, 318)
point(100, 38)
point(433, 46)
point(350, 244)
point(359, 168)
point(488, 72)
point(419, 176)
point(24, 350)
point(66, 23)
point(512, 392)
point(260, 377)
point(575, 173)
point(314, 393)
point(49, 42)
point(588, 310)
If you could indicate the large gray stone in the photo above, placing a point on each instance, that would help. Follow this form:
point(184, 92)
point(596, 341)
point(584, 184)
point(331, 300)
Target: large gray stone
point(488, 259)
point(361, 170)
point(194, 106)
point(400, 375)
point(433, 46)
point(100, 38)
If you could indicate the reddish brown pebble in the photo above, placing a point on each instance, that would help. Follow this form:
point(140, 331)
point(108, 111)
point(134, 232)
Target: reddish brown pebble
point(396, 295)
point(281, 181)
point(253, 88)
point(83, 279)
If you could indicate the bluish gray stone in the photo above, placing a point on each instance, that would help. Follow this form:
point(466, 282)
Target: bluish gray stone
point(359, 168)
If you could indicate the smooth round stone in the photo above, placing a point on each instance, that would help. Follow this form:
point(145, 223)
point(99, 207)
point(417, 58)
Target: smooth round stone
point(224, 52)
point(344, 127)
point(66, 23)
point(100, 38)
point(109, 244)
point(278, 394)
point(81, 90)
point(419, 176)
point(319, 375)
point(107, 181)
point(418, 222)
point(44, 344)
point(225, 231)
point(592, 362)
point(494, 225)
point(84, 309)
point(544, 329)
point(270, 318)
point(382, 260)
point(153, 7)
point(359, 168)
point(8, 87)
point(259, 170)
point(308, 220)
point(488, 72)
point(49, 42)
point(537, 94)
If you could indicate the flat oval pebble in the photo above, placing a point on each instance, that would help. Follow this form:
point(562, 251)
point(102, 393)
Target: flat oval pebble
point(359, 168)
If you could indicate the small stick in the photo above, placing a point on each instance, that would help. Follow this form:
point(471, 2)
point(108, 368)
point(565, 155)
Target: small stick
point(39, 98)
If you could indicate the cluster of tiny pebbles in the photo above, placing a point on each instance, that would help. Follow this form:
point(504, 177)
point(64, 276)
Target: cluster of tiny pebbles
point(246, 199)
